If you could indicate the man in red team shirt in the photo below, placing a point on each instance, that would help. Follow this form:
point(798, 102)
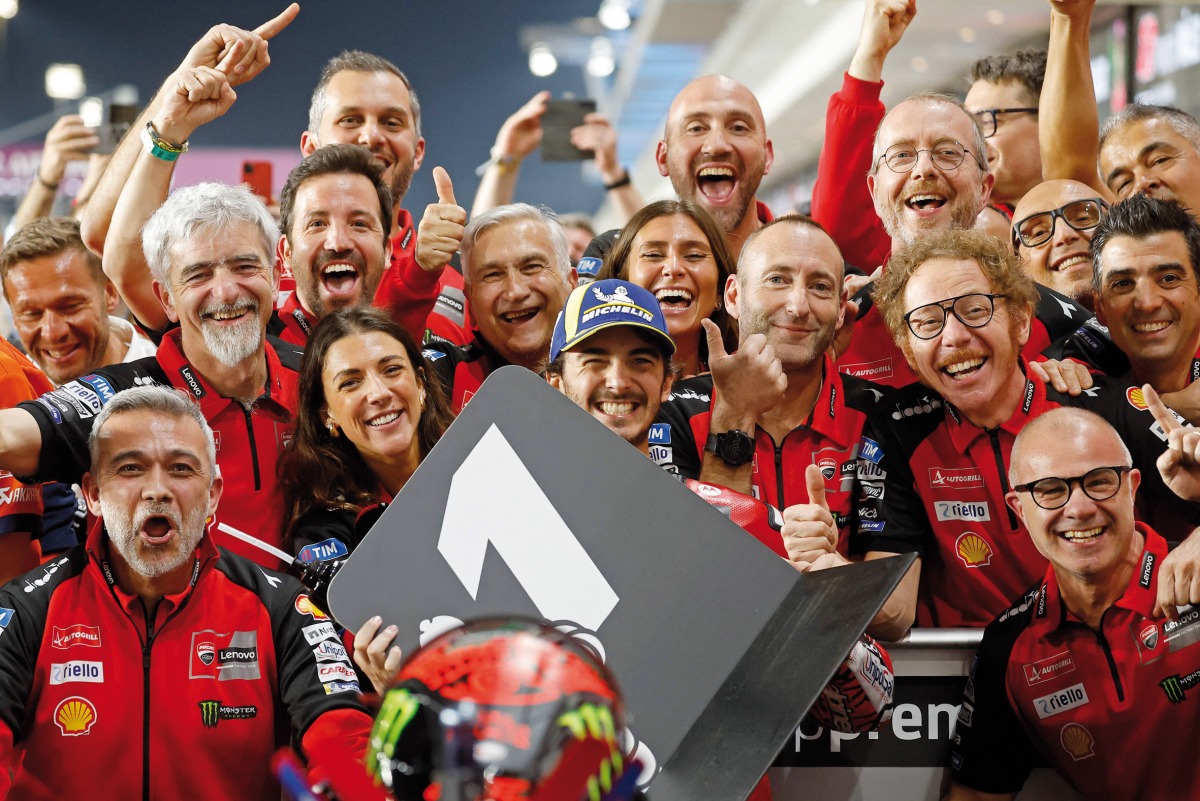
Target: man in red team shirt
point(1085, 673)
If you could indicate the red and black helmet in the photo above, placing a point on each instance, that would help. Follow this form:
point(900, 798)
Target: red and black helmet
point(500, 709)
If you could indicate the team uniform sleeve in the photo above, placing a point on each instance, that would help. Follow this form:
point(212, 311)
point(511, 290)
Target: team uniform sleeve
point(64, 418)
point(991, 751)
point(684, 456)
point(841, 201)
point(315, 674)
point(1091, 345)
point(21, 630)
point(324, 535)
point(891, 516)
point(409, 293)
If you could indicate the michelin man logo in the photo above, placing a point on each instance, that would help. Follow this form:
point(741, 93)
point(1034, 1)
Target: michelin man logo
point(619, 295)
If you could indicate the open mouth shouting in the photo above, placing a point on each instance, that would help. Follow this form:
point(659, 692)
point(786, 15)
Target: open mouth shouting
point(519, 317)
point(340, 276)
point(716, 183)
point(157, 526)
point(962, 364)
point(674, 298)
point(924, 199)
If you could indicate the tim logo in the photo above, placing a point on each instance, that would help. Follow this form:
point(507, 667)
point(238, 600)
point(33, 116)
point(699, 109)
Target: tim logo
point(956, 478)
point(323, 551)
point(660, 434)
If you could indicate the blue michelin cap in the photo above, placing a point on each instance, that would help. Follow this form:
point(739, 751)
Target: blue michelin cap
point(604, 304)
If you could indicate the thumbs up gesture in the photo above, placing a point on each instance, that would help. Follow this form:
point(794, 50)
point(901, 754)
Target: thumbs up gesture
point(441, 230)
point(750, 382)
point(809, 533)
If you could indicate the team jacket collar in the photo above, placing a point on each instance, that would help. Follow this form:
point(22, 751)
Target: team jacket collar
point(98, 550)
point(280, 388)
point(403, 240)
point(829, 415)
point(1140, 596)
point(1033, 402)
point(295, 316)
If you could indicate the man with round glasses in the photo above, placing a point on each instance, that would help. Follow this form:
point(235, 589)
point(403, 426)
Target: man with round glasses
point(1084, 671)
point(1052, 233)
point(933, 460)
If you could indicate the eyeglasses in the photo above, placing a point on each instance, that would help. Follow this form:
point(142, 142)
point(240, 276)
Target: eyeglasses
point(945, 156)
point(1037, 229)
point(974, 311)
point(989, 123)
point(1099, 484)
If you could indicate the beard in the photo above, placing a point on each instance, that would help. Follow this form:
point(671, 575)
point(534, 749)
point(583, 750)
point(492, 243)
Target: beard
point(123, 530)
point(400, 181)
point(232, 345)
point(792, 356)
point(962, 214)
point(727, 217)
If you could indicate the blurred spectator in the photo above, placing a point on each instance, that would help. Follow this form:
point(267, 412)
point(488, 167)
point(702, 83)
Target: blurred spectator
point(1004, 98)
point(63, 304)
point(579, 234)
point(522, 133)
point(68, 140)
point(21, 510)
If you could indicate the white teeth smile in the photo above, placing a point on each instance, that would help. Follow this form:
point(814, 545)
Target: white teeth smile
point(673, 296)
point(518, 316)
point(614, 408)
point(1149, 328)
point(384, 419)
point(227, 315)
point(716, 172)
point(924, 200)
point(1067, 264)
point(1078, 536)
point(962, 367)
point(339, 269)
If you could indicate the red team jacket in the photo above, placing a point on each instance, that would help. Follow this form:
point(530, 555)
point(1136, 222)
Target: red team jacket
point(102, 701)
point(1113, 711)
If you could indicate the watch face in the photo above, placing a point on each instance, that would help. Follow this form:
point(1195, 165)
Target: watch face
point(736, 448)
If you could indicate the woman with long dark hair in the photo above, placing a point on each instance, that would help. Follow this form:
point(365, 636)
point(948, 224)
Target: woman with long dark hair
point(675, 249)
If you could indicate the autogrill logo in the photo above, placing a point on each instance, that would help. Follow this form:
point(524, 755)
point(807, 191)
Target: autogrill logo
point(955, 478)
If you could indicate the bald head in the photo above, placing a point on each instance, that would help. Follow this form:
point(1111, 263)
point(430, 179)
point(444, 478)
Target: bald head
point(1064, 261)
point(715, 149)
point(1057, 437)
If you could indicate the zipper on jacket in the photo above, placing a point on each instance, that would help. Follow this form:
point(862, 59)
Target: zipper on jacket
point(1112, 665)
point(253, 446)
point(779, 476)
point(146, 702)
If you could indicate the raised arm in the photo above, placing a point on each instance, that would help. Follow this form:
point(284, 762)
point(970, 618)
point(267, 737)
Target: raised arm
point(68, 140)
point(598, 135)
point(216, 46)
point(841, 201)
point(1068, 120)
point(519, 136)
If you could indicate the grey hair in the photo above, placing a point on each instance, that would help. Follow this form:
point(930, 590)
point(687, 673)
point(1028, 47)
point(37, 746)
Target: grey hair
point(979, 145)
point(159, 400)
point(357, 61)
point(210, 207)
point(515, 212)
point(1184, 124)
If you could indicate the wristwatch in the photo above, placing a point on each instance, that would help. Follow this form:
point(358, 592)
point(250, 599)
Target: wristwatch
point(734, 447)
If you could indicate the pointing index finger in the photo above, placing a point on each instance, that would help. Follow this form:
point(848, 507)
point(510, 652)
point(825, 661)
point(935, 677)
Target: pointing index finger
point(1159, 409)
point(273, 26)
point(444, 186)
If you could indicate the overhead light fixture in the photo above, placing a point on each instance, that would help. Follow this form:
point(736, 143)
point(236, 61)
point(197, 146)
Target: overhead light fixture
point(967, 34)
point(542, 61)
point(995, 16)
point(8, 9)
point(65, 81)
point(614, 14)
point(919, 64)
point(601, 62)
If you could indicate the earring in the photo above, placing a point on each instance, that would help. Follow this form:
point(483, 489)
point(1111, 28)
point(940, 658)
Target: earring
point(421, 397)
point(333, 429)
point(718, 306)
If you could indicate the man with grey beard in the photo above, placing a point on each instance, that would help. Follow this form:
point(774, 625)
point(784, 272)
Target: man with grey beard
point(217, 641)
point(211, 250)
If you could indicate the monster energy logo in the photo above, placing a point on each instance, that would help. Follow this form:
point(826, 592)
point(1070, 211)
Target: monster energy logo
point(596, 722)
point(1175, 687)
point(397, 711)
point(213, 712)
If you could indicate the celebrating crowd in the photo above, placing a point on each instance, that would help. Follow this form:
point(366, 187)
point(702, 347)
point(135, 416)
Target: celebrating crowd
point(981, 347)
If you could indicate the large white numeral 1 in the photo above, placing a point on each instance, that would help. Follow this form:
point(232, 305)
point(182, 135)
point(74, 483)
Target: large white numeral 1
point(493, 498)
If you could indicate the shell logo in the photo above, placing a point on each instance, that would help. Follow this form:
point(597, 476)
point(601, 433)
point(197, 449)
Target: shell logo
point(306, 607)
point(1136, 398)
point(1077, 741)
point(75, 716)
point(973, 550)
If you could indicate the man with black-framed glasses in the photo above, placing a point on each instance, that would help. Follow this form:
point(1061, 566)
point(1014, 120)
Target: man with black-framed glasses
point(1087, 672)
point(1052, 233)
point(934, 457)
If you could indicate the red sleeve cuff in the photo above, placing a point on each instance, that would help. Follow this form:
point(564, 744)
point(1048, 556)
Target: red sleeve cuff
point(860, 92)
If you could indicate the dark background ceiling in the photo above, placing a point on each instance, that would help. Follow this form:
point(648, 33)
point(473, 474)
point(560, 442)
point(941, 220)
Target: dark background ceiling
point(464, 58)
